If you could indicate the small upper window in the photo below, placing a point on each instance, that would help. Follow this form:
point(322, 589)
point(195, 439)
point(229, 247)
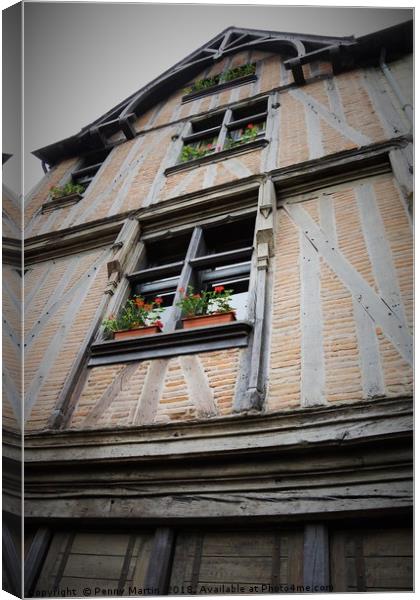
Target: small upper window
point(224, 78)
point(225, 130)
point(90, 166)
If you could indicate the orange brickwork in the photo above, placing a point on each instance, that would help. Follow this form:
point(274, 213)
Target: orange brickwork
point(341, 345)
point(44, 377)
point(176, 401)
point(342, 116)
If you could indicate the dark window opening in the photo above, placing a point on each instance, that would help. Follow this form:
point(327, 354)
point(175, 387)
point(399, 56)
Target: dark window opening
point(89, 167)
point(201, 260)
point(225, 130)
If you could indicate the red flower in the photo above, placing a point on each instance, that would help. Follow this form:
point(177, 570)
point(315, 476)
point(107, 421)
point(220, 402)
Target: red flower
point(209, 146)
point(182, 290)
point(139, 302)
point(158, 323)
point(250, 126)
point(219, 289)
point(158, 300)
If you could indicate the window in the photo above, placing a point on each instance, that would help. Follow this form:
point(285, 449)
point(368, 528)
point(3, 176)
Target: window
point(90, 166)
point(225, 130)
point(226, 78)
point(204, 259)
point(69, 193)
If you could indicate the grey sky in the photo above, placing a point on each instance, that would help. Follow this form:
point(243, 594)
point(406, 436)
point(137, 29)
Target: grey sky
point(83, 58)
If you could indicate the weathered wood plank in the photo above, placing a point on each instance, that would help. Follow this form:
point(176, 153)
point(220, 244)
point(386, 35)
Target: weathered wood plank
point(198, 386)
point(151, 392)
point(314, 133)
point(313, 369)
point(243, 504)
point(379, 250)
point(158, 572)
point(316, 571)
point(35, 557)
point(12, 562)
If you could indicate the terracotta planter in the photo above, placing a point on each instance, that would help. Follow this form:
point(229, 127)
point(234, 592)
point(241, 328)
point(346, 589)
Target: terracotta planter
point(209, 320)
point(137, 332)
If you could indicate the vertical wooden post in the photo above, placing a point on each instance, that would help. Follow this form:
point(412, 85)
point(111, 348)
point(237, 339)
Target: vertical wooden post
point(221, 140)
point(316, 567)
point(35, 558)
point(185, 277)
point(264, 242)
point(160, 562)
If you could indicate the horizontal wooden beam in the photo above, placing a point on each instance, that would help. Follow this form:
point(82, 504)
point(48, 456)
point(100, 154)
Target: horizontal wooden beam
point(222, 257)
point(179, 342)
point(332, 425)
point(155, 272)
point(218, 156)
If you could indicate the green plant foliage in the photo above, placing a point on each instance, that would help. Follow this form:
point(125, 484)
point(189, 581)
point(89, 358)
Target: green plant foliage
point(208, 302)
point(135, 313)
point(66, 190)
point(248, 134)
point(237, 72)
point(230, 75)
point(192, 152)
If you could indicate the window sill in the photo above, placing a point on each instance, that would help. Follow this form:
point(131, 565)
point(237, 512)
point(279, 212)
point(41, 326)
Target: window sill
point(220, 87)
point(62, 202)
point(182, 341)
point(217, 156)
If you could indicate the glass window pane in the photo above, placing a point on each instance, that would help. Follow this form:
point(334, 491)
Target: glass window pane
point(165, 251)
point(231, 236)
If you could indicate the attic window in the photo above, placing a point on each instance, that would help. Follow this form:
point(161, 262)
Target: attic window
point(225, 130)
point(90, 166)
point(234, 76)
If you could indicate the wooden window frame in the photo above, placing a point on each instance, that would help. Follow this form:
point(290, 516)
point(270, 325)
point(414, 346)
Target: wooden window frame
point(252, 334)
point(174, 341)
point(222, 86)
point(227, 124)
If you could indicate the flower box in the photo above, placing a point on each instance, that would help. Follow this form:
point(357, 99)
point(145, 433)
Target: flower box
point(209, 320)
point(61, 202)
point(136, 332)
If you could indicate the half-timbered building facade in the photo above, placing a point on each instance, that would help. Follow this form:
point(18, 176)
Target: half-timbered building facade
point(267, 454)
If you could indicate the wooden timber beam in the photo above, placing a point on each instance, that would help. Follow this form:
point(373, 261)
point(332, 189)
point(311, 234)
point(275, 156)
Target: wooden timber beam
point(12, 562)
point(160, 562)
point(35, 558)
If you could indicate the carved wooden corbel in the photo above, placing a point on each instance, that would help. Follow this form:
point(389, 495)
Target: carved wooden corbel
point(128, 236)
